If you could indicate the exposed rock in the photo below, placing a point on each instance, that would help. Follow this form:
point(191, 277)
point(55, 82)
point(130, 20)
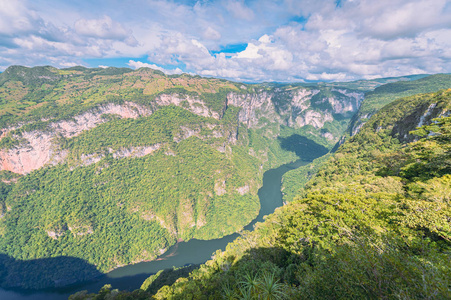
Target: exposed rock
point(186, 133)
point(314, 118)
point(90, 119)
point(357, 125)
point(38, 152)
point(220, 188)
point(54, 234)
point(40, 148)
point(350, 102)
point(297, 111)
point(81, 230)
point(243, 190)
point(426, 114)
point(328, 136)
point(139, 151)
point(193, 104)
point(89, 159)
point(253, 107)
point(301, 99)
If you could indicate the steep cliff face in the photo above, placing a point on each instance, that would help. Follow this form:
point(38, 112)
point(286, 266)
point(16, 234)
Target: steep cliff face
point(422, 115)
point(296, 107)
point(193, 104)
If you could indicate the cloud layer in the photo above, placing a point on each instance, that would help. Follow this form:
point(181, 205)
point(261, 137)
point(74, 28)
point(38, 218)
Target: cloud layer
point(285, 40)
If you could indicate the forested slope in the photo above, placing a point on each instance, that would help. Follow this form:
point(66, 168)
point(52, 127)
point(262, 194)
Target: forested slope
point(384, 94)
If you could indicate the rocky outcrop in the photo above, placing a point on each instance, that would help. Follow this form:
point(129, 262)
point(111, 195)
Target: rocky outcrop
point(140, 151)
point(293, 107)
point(193, 104)
point(314, 118)
point(253, 107)
point(91, 119)
point(350, 102)
point(38, 151)
point(421, 116)
point(220, 187)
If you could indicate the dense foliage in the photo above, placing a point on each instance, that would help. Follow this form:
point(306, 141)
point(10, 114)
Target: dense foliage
point(373, 223)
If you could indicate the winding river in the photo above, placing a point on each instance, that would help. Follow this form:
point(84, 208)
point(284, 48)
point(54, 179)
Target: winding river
point(192, 252)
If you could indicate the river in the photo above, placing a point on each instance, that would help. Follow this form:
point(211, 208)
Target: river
point(191, 252)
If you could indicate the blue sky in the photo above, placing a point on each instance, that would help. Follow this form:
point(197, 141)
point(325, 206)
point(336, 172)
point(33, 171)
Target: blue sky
point(260, 40)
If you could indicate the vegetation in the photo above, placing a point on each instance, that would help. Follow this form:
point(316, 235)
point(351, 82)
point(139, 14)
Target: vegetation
point(373, 223)
point(170, 175)
point(294, 181)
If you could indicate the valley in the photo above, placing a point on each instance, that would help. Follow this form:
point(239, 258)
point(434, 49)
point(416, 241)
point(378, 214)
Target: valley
point(113, 167)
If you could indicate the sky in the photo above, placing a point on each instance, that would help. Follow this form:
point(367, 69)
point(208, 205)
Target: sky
point(252, 41)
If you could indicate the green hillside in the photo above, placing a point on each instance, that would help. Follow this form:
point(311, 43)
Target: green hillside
point(373, 223)
point(384, 94)
point(33, 94)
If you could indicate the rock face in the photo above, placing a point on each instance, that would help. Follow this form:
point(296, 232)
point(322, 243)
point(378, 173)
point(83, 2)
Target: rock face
point(419, 117)
point(38, 148)
point(37, 152)
point(193, 104)
point(93, 118)
point(295, 108)
point(253, 106)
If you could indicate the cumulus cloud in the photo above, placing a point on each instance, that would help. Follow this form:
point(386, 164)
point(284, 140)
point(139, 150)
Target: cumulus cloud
point(16, 19)
point(28, 39)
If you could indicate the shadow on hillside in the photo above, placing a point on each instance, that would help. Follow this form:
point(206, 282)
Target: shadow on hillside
point(305, 148)
point(44, 273)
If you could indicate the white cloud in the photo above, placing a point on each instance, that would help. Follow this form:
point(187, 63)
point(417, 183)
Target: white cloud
point(239, 10)
point(211, 34)
point(104, 28)
point(15, 18)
